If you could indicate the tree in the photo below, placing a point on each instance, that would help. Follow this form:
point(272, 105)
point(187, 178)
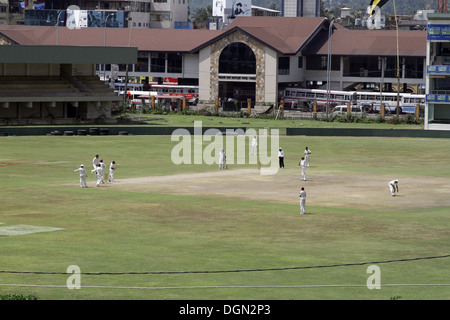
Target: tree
point(201, 15)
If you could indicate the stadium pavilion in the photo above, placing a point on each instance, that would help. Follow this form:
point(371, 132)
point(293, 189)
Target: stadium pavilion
point(262, 55)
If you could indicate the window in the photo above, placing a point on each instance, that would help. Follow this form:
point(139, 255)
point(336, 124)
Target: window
point(237, 57)
point(174, 63)
point(157, 62)
point(300, 62)
point(320, 63)
point(283, 65)
point(414, 68)
point(142, 63)
point(161, 16)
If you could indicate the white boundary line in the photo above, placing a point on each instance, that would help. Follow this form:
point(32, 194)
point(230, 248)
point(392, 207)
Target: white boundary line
point(230, 287)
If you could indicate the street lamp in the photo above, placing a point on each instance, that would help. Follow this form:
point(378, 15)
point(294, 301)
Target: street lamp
point(104, 65)
point(330, 32)
point(56, 25)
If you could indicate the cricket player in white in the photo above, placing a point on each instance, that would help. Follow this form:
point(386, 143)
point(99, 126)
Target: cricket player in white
point(82, 172)
point(303, 165)
point(112, 167)
point(302, 201)
point(98, 174)
point(307, 152)
point(222, 159)
point(393, 186)
point(103, 167)
point(95, 162)
point(254, 145)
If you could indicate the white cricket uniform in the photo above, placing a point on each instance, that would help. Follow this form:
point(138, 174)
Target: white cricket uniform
point(302, 201)
point(111, 172)
point(95, 163)
point(303, 165)
point(98, 174)
point(82, 172)
point(103, 166)
point(393, 186)
point(307, 153)
point(254, 145)
point(222, 159)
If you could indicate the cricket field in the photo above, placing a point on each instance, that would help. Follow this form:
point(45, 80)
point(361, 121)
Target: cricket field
point(165, 231)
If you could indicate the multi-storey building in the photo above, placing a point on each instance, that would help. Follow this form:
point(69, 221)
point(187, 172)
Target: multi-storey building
point(437, 110)
point(139, 13)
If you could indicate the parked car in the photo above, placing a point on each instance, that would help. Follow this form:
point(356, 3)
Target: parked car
point(341, 110)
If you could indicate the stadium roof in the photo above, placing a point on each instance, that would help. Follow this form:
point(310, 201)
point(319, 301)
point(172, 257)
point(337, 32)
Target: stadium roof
point(165, 40)
point(285, 35)
point(376, 43)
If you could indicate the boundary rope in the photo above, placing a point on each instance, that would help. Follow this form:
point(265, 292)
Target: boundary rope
point(229, 271)
point(232, 287)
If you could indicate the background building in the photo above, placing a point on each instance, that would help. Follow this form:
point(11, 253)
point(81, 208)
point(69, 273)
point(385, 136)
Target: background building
point(300, 8)
point(437, 110)
point(136, 14)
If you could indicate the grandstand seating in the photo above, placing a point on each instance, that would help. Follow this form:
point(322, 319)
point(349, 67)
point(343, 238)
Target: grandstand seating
point(53, 86)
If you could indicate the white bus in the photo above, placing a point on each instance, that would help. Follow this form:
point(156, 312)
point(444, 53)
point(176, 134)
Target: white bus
point(297, 97)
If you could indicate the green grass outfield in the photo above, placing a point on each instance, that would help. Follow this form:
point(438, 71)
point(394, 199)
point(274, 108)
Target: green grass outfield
point(177, 120)
point(118, 231)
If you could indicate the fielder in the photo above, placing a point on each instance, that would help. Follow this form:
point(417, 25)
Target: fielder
point(307, 152)
point(112, 167)
point(98, 174)
point(302, 201)
point(222, 159)
point(95, 162)
point(254, 145)
point(303, 165)
point(393, 186)
point(103, 167)
point(82, 172)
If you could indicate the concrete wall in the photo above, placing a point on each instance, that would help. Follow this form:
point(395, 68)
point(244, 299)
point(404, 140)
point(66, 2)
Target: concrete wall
point(204, 79)
point(271, 76)
point(412, 133)
point(151, 130)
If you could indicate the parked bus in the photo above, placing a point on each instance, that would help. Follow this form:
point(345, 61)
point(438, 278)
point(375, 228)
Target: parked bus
point(298, 97)
point(172, 90)
point(119, 87)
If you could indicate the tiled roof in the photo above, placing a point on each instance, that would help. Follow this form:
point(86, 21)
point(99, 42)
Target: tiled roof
point(283, 34)
point(376, 42)
point(145, 39)
point(286, 35)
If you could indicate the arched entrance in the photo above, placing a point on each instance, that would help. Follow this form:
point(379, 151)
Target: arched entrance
point(237, 74)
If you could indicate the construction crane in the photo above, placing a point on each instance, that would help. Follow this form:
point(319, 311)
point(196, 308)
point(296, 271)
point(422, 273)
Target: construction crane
point(441, 6)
